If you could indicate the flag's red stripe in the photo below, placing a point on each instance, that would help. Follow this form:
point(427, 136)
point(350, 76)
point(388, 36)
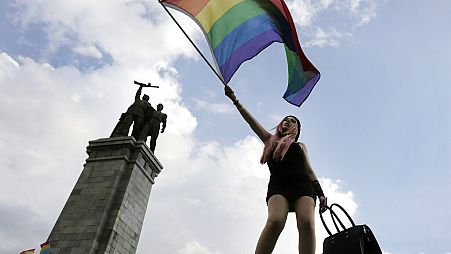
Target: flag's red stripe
point(280, 7)
point(306, 64)
point(193, 7)
point(174, 2)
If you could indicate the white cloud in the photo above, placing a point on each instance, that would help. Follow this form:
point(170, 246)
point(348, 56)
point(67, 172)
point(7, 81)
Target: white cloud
point(363, 10)
point(321, 38)
point(6, 60)
point(121, 28)
point(220, 108)
point(194, 247)
point(350, 13)
point(91, 51)
point(305, 12)
point(19, 220)
point(7, 65)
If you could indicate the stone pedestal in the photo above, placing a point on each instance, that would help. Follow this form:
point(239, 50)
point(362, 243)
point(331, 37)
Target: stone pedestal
point(106, 209)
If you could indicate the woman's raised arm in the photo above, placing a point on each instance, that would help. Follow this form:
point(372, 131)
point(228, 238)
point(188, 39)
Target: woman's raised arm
point(263, 134)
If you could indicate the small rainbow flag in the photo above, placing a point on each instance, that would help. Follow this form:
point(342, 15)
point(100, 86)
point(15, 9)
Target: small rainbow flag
point(237, 30)
point(45, 248)
point(30, 251)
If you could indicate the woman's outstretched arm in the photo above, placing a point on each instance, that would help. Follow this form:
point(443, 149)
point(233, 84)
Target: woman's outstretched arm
point(263, 134)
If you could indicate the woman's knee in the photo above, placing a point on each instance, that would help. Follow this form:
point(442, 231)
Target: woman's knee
point(306, 225)
point(305, 214)
point(275, 223)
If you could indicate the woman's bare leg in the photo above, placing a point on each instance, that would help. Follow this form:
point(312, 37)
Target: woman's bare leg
point(305, 217)
point(277, 216)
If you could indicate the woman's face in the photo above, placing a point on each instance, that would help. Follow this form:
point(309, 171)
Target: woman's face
point(287, 123)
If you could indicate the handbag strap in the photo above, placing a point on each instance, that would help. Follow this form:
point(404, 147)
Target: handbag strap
point(322, 220)
point(335, 216)
point(346, 213)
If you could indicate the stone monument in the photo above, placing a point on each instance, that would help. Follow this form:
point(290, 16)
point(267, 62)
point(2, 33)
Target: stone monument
point(105, 211)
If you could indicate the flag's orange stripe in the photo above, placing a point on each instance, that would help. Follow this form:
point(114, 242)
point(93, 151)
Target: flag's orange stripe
point(193, 7)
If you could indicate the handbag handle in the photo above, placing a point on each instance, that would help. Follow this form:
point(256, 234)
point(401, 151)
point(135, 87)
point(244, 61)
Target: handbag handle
point(333, 216)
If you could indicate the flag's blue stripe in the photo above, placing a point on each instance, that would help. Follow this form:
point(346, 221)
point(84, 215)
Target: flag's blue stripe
point(242, 34)
point(247, 51)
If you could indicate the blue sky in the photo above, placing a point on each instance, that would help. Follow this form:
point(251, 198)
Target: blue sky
point(376, 125)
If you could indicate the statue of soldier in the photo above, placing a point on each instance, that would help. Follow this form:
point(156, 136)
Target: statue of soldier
point(152, 126)
point(135, 114)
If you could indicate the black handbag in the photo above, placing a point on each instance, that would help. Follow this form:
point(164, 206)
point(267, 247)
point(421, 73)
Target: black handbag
point(357, 239)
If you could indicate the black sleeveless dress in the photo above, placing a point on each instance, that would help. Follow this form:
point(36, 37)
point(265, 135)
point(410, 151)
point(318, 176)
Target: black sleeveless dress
point(289, 177)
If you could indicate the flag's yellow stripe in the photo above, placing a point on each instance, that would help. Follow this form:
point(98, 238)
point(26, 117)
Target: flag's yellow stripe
point(213, 11)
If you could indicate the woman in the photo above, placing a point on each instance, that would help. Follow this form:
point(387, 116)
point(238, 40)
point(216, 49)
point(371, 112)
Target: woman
point(293, 185)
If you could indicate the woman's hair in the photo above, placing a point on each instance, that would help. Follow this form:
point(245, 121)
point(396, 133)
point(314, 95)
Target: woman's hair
point(277, 145)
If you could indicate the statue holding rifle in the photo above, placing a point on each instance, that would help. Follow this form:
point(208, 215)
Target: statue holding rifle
point(145, 119)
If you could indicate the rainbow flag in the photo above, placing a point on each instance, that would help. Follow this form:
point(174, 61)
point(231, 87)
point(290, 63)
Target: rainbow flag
point(30, 251)
point(237, 30)
point(45, 248)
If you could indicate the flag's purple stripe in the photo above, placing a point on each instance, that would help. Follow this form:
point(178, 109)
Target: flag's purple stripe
point(247, 51)
point(299, 97)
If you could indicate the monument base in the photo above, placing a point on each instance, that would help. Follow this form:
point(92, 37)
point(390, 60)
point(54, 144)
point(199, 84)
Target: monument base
point(106, 209)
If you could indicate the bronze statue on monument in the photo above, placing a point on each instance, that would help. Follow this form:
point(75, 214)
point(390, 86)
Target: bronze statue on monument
point(145, 119)
point(152, 126)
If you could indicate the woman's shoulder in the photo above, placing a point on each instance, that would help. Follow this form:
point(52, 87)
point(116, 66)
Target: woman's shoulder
point(302, 146)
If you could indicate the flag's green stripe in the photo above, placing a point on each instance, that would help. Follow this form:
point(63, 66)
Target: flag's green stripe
point(296, 75)
point(234, 17)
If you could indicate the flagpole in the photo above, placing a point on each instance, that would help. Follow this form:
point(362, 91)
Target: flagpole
point(194, 45)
